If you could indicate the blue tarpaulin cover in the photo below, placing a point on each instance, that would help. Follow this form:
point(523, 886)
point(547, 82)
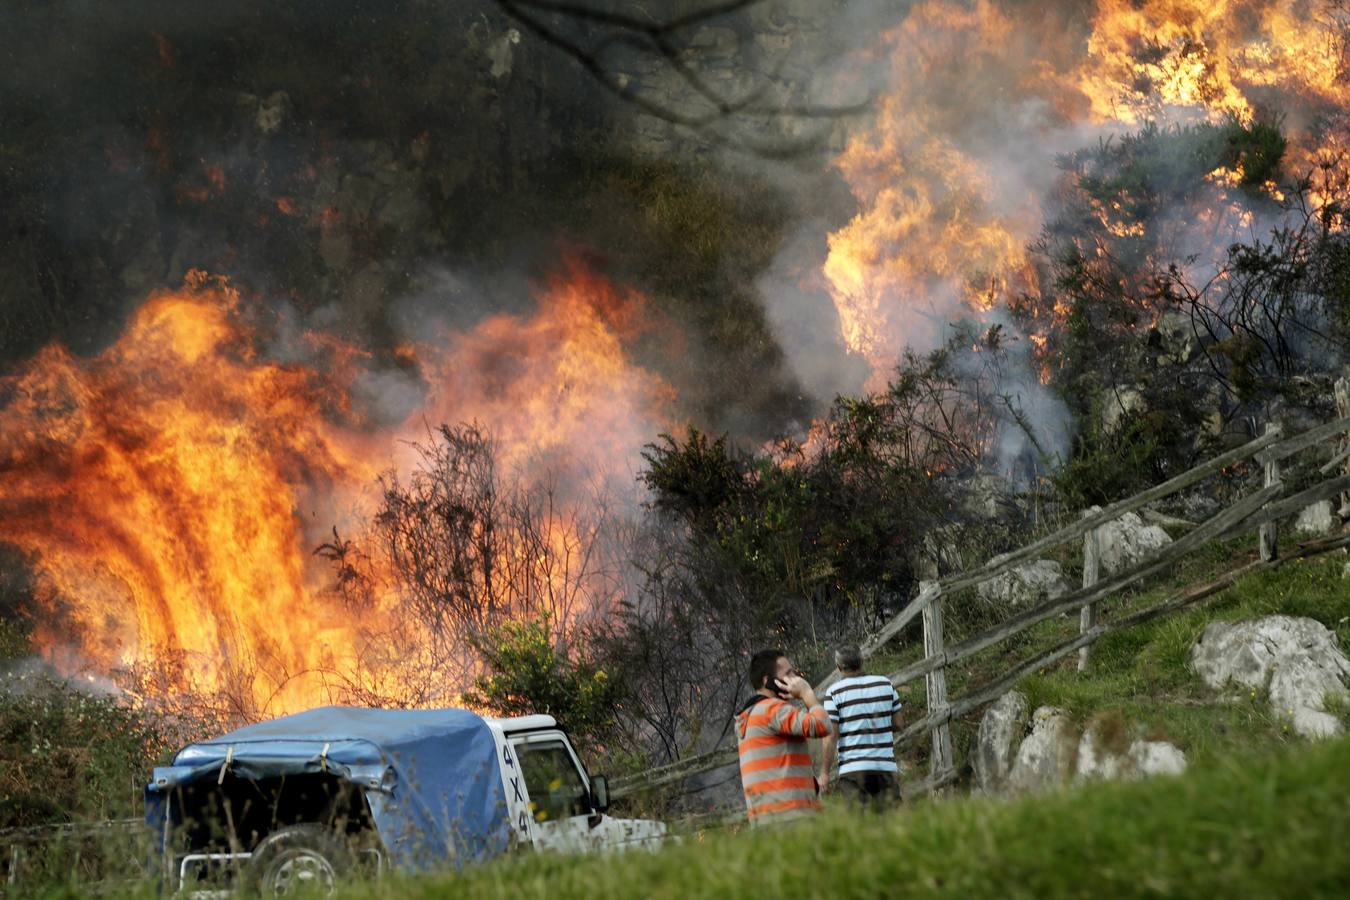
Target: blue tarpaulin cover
point(431, 775)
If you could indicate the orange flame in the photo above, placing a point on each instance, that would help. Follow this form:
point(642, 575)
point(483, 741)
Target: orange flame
point(941, 232)
point(171, 489)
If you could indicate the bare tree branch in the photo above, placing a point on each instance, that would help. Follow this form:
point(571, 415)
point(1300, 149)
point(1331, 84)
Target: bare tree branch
point(547, 19)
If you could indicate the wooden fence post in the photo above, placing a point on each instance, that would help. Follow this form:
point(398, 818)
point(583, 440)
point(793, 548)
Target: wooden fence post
point(1342, 390)
point(1087, 616)
point(936, 682)
point(1268, 539)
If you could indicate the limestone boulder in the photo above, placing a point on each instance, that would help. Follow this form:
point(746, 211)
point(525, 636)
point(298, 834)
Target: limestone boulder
point(1176, 337)
point(1148, 758)
point(1297, 662)
point(1316, 520)
point(1140, 759)
point(1127, 541)
point(997, 742)
point(1045, 759)
point(1026, 585)
point(1118, 404)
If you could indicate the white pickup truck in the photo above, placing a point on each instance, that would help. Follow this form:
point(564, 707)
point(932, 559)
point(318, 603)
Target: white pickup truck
point(303, 800)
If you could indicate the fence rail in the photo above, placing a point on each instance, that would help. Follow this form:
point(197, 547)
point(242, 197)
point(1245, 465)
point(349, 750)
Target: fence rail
point(1259, 511)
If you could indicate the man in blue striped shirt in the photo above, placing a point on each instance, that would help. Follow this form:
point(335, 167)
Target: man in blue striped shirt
point(864, 713)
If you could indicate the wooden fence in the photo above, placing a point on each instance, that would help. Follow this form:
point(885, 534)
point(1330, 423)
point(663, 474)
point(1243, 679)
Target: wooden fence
point(1258, 512)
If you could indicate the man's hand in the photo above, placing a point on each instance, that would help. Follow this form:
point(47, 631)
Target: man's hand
point(796, 687)
point(823, 780)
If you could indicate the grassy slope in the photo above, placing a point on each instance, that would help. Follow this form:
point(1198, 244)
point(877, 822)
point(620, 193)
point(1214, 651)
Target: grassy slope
point(1260, 814)
point(1140, 677)
point(1264, 825)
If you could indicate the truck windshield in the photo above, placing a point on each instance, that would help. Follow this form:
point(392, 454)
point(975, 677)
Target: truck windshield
point(555, 785)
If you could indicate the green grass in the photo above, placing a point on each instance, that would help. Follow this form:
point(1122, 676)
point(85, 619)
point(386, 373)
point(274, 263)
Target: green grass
point(1259, 814)
point(1259, 825)
point(1141, 676)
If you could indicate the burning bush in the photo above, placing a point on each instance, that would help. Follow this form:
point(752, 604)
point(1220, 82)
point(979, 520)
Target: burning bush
point(1186, 269)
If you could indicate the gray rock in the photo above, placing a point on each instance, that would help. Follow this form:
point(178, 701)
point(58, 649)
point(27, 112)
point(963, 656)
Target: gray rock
point(1094, 760)
point(990, 497)
point(1026, 585)
point(1318, 519)
point(996, 744)
point(1296, 661)
point(272, 112)
point(1147, 758)
point(1177, 337)
point(1045, 759)
point(1142, 759)
point(1126, 541)
point(1315, 724)
point(499, 53)
point(1118, 403)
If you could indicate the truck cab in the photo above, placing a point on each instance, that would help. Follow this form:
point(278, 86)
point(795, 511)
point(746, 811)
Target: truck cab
point(555, 803)
point(303, 801)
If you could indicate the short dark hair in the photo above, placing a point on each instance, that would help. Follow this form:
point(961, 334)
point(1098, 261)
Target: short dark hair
point(763, 666)
point(848, 658)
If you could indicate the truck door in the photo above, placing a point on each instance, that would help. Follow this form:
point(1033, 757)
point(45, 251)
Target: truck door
point(559, 800)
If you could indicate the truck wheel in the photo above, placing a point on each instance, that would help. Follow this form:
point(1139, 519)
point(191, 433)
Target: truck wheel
point(306, 859)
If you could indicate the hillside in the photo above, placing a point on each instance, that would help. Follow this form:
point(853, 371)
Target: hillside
point(1256, 824)
point(1140, 678)
point(527, 358)
point(1258, 813)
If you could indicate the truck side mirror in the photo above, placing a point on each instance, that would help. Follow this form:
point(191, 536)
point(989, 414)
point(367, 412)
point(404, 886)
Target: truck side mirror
point(599, 793)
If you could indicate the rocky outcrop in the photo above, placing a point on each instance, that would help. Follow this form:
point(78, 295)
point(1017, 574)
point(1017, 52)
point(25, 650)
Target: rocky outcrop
point(1026, 585)
point(1148, 758)
point(1001, 732)
point(1120, 403)
point(1126, 541)
point(1017, 753)
point(1176, 338)
point(1316, 520)
point(991, 498)
point(1297, 661)
point(1045, 758)
point(1139, 759)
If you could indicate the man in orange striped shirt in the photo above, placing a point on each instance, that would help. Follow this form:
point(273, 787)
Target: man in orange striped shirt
point(776, 771)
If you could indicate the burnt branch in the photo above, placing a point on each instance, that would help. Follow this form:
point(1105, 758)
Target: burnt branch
point(555, 23)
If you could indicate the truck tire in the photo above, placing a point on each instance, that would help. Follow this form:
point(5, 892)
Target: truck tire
point(307, 859)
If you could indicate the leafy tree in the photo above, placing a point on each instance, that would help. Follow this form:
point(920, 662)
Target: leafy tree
point(527, 672)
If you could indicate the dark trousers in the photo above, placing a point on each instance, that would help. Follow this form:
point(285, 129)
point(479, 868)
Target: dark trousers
point(870, 789)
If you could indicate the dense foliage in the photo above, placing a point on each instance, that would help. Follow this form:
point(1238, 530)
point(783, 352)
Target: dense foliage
point(526, 673)
point(66, 753)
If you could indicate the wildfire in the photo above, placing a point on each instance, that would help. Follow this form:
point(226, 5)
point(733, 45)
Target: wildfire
point(1214, 57)
point(557, 383)
point(940, 229)
point(980, 94)
point(170, 491)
